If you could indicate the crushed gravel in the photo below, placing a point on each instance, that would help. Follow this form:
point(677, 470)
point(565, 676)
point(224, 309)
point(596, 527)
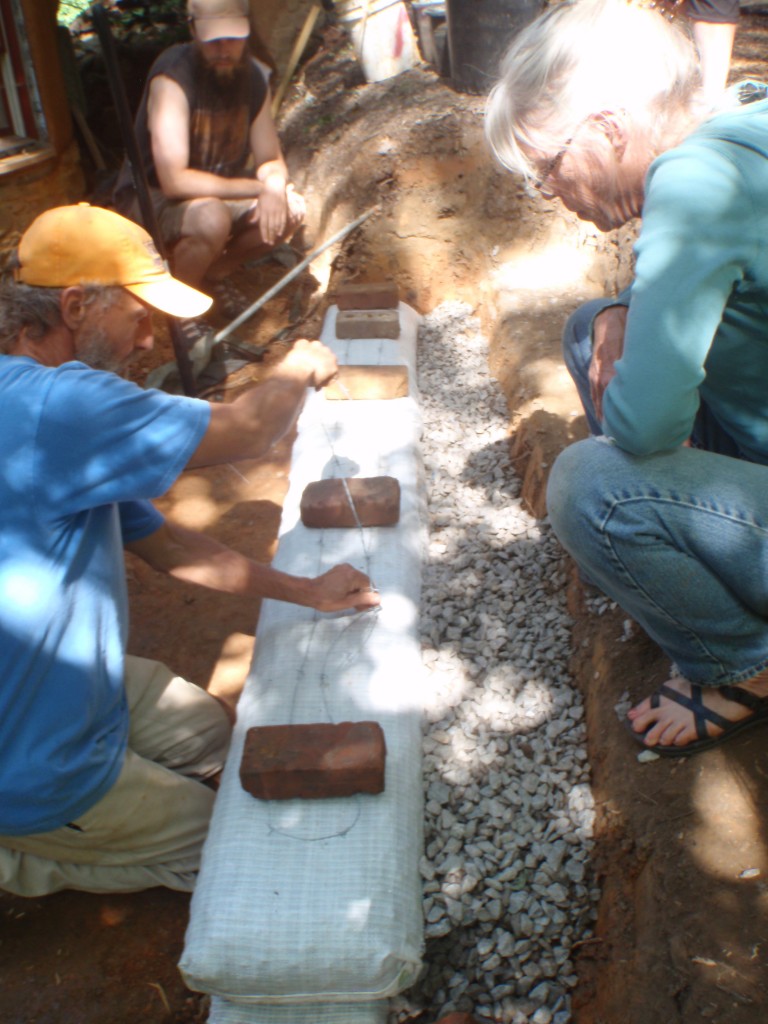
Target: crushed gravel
point(509, 811)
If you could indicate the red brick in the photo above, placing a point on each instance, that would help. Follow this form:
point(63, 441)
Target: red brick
point(282, 762)
point(368, 295)
point(374, 383)
point(458, 1018)
point(368, 323)
point(325, 503)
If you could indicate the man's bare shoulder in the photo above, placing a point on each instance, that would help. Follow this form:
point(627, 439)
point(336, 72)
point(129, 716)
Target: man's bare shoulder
point(171, 66)
point(165, 92)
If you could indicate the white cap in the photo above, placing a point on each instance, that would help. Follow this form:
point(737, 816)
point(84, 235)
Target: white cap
point(219, 19)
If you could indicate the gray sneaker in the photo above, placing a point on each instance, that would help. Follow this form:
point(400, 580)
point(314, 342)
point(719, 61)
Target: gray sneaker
point(230, 301)
point(198, 338)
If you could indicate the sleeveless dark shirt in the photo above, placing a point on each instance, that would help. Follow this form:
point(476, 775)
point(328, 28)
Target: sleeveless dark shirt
point(219, 127)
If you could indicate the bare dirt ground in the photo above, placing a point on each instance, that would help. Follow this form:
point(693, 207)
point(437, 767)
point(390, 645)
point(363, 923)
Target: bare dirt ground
point(682, 855)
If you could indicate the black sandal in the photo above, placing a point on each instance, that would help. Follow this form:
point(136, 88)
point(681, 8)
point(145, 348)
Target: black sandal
point(701, 715)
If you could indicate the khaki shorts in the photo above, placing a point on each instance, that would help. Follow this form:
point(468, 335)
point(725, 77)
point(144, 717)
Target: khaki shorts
point(149, 829)
point(170, 213)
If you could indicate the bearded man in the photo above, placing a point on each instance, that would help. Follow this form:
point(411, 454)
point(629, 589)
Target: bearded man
point(107, 760)
point(210, 148)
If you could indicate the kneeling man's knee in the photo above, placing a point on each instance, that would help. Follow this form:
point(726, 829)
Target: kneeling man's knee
point(209, 218)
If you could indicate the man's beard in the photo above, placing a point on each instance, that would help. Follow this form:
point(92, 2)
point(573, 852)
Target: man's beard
point(94, 349)
point(220, 85)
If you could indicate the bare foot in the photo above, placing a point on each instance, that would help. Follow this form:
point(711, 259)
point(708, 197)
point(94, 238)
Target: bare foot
point(663, 721)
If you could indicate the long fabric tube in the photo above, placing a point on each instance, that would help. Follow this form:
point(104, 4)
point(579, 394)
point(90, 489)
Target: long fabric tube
point(312, 905)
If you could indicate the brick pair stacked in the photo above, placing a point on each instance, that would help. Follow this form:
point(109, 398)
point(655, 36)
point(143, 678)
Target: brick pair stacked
point(365, 311)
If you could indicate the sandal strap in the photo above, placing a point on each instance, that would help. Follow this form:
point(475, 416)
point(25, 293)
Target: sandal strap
point(743, 697)
point(700, 717)
point(701, 713)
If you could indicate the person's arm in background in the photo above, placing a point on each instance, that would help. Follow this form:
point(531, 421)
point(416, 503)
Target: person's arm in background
point(278, 201)
point(608, 331)
point(714, 28)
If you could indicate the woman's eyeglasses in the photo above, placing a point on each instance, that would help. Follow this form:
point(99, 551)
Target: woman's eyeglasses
point(551, 167)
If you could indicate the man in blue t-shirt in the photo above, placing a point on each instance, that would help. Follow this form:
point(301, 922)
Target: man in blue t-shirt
point(104, 757)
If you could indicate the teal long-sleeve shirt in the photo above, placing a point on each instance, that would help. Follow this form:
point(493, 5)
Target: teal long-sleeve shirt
point(698, 307)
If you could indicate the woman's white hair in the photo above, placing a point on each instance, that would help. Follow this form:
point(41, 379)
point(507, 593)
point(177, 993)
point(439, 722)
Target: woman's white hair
point(584, 57)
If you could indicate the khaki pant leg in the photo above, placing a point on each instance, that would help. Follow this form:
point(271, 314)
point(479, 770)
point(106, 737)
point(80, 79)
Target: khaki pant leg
point(173, 722)
point(149, 829)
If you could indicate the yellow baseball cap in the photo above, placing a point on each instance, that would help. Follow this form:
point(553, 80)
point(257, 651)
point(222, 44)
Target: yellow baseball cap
point(83, 244)
point(219, 19)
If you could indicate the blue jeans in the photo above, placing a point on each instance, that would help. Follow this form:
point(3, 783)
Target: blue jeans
point(679, 539)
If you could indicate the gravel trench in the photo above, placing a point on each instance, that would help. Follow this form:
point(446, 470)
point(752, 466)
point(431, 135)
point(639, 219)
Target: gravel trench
point(509, 811)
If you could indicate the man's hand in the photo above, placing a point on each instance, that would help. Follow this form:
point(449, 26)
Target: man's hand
point(272, 209)
point(342, 587)
point(313, 358)
point(279, 210)
point(297, 207)
point(607, 347)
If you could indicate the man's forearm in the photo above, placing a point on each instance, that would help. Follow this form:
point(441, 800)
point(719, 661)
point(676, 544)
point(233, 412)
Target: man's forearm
point(197, 558)
point(250, 426)
point(188, 183)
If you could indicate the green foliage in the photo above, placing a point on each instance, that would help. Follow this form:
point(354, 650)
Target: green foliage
point(146, 15)
point(68, 10)
point(162, 20)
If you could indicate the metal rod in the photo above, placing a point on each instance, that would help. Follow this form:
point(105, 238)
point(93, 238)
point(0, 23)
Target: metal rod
point(248, 313)
point(139, 176)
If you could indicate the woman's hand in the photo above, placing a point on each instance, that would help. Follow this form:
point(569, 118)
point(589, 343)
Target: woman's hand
point(607, 347)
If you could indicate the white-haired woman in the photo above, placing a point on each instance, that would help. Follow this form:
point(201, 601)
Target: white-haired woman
point(667, 508)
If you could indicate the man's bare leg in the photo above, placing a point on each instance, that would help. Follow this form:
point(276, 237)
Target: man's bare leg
point(205, 229)
point(247, 245)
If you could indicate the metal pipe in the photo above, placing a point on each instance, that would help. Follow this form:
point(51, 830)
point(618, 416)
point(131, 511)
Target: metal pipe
point(248, 313)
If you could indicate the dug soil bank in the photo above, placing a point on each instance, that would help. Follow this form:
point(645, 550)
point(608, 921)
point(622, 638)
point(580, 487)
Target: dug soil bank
point(682, 932)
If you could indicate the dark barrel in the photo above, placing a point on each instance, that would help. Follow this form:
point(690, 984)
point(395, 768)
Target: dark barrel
point(479, 31)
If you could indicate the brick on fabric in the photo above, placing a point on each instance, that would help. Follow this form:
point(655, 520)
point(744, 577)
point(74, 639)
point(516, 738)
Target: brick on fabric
point(313, 760)
point(325, 503)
